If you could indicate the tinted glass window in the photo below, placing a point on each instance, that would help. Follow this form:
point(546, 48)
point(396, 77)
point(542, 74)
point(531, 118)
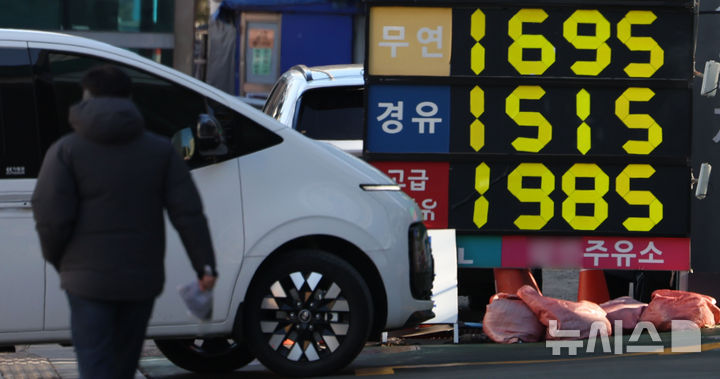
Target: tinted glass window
point(118, 15)
point(105, 15)
point(31, 14)
point(19, 153)
point(331, 113)
point(167, 107)
point(243, 136)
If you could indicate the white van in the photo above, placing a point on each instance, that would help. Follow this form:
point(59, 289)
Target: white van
point(316, 250)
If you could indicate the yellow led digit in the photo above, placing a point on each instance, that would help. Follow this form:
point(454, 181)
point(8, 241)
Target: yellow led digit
point(582, 109)
point(638, 121)
point(624, 34)
point(482, 184)
point(596, 42)
point(529, 41)
point(655, 207)
point(512, 108)
point(582, 196)
point(477, 128)
point(477, 32)
point(533, 195)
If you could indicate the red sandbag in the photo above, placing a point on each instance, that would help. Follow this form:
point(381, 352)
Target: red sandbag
point(625, 309)
point(668, 305)
point(570, 315)
point(508, 320)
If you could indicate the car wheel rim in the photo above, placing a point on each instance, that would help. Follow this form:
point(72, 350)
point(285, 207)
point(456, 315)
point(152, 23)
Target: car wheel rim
point(304, 316)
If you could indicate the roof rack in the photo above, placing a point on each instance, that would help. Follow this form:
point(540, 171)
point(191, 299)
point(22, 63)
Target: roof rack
point(304, 70)
point(308, 73)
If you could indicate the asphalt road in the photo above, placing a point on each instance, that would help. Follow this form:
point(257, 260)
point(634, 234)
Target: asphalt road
point(432, 358)
point(440, 358)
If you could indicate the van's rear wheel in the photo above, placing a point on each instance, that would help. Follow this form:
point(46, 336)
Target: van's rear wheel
point(205, 355)
point(307, 314)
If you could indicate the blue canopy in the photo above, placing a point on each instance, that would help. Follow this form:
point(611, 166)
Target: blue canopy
point(339, 6)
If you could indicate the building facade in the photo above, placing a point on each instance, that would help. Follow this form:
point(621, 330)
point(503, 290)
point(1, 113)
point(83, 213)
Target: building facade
point(146, 27)
point(252, 42)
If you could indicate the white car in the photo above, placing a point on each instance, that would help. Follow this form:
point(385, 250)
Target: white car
point(316, 250)
point(325, 103)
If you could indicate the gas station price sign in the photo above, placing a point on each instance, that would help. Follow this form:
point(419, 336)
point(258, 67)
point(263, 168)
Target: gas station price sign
point(633, 122)
point(551, 118)
point(500, 39)
point(568, 198)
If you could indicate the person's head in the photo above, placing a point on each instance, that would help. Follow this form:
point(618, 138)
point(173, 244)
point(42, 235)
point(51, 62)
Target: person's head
point(106, 81)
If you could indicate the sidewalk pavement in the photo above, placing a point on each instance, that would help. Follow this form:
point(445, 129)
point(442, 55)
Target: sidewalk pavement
point(42, 362)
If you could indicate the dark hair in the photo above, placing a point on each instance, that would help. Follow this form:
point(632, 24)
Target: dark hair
point(107, 81)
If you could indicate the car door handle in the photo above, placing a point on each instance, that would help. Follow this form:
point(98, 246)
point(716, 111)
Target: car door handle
point(15, 201)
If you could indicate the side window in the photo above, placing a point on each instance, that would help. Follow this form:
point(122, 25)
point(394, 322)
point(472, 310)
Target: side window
point(168, 108)
point(19, 153)
point(243, 136)
point(333, 113)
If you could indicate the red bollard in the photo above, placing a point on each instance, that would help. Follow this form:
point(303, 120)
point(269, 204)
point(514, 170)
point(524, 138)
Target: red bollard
point(592, 286)
point(509, 280)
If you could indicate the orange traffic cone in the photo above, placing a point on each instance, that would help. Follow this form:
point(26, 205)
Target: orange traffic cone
point(509, 280)
point(592, 286)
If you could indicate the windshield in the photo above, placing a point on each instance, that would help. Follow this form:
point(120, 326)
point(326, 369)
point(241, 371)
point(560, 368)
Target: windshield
point(333, 113)
point(277, 97)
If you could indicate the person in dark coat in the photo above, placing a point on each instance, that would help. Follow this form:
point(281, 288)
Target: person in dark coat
point(98, 207)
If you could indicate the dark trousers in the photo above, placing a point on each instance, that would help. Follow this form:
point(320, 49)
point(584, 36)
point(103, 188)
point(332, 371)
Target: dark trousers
point(108, 336)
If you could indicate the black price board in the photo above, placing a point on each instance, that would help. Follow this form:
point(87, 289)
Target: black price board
point(557, 117)
point(498, 197)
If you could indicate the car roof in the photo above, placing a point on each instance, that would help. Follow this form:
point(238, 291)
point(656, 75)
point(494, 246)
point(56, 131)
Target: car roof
point(331, 72)
point(51, 37)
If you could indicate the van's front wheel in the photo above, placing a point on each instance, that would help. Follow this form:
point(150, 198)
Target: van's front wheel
point(307, 314)
point(205, 355)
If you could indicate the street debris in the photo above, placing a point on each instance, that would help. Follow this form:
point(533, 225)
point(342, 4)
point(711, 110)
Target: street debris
point(625, 309)
point(668, 305)
point(570, 315)
point(522, 326)
point(514, 318)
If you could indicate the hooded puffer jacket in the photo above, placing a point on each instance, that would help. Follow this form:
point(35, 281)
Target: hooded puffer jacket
point(99, 201)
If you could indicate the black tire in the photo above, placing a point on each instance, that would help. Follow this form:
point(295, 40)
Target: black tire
point(7, 349)
point(307, 314)
point(205, 355)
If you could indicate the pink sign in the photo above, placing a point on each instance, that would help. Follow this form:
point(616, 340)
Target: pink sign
point(426, 183)
point(608, 253)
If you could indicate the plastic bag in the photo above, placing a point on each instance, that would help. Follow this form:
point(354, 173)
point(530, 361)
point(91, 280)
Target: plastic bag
point(508, 320)
point(668, 305)
point(625, 309)
point(198, 302)
point(569, 315)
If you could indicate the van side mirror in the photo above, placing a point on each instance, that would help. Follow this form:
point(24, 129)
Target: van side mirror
point(210, 138)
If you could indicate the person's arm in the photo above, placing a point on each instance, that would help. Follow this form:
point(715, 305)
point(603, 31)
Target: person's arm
point(185, 210)
point(54, 205)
